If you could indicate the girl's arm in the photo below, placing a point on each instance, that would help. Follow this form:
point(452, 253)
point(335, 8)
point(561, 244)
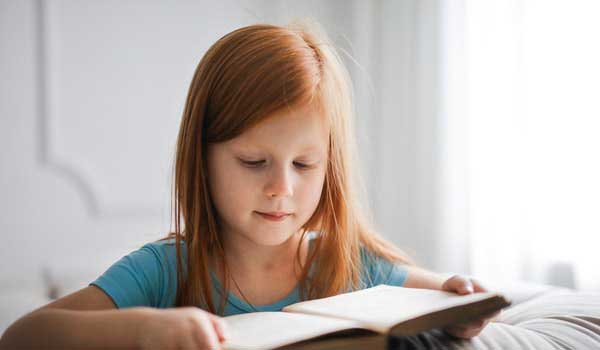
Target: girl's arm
point(88, 319)
point(420, 278)
point(70, 329)
point(85, 319)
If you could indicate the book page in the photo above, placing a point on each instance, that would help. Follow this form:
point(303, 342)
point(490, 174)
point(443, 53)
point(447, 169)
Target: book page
point(382, 307)
point(267, 330)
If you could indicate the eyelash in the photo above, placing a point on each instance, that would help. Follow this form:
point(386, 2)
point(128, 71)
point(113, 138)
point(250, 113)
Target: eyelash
point(258, 163)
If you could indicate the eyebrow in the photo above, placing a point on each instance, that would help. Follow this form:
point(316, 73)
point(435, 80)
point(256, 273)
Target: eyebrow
point(311, 148)
point(252, 148)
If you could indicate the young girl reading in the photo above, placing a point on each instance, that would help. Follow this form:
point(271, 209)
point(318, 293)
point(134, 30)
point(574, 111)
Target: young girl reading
point(265, 206)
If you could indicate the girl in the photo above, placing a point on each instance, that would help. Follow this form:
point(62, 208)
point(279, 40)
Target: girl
point(265, 205)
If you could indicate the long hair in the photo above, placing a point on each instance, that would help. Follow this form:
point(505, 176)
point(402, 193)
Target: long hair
point(245, 77)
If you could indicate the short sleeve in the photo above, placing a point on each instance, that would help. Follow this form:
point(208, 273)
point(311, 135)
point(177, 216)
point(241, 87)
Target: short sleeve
point(144, 277)
point(377, 270)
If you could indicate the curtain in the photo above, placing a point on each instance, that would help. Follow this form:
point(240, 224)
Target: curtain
point(522, 144)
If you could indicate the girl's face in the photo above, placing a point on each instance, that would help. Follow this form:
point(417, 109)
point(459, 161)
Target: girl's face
point(278, 168)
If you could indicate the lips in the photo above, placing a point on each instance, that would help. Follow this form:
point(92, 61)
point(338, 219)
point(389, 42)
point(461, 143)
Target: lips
point(274, 216)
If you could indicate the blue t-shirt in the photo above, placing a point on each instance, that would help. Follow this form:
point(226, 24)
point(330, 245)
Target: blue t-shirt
point(148, 277)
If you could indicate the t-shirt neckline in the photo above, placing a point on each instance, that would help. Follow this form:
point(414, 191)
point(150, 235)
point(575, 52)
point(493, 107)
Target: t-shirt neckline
point(293, 296)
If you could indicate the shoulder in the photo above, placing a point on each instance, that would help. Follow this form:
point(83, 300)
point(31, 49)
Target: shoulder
point(164, 247)
point(379, 270)
point(146, 276)
point(162, 252)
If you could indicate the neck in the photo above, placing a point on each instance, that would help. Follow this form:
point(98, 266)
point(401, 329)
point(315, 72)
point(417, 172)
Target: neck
point(251, 259)
point(263, 273)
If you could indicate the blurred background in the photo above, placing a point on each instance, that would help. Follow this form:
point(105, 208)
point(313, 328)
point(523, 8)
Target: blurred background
point(477, 122)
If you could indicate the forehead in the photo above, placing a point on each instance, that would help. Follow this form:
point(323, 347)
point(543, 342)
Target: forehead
point(300, 129)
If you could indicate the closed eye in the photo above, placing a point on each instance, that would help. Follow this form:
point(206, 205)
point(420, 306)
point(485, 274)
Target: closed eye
point(259, 163)
point(252, 164)
point(301, 165)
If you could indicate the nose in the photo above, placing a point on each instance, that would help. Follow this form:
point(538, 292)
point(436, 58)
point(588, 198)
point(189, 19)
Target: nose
point(280, 183)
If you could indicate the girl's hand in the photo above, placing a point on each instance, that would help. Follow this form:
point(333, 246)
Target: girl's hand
point(181, 328)
point(464, 285)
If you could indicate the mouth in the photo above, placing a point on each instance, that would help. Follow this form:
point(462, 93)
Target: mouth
point(274, 216)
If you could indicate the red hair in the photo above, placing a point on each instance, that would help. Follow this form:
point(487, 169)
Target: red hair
point(245, 77)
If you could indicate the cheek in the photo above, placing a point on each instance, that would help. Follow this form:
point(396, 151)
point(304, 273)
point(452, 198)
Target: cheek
point(310, 193)
point(230, 192)
point(234, 190)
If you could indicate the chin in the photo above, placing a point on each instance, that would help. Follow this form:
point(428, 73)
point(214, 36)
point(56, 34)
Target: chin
point(272, 237)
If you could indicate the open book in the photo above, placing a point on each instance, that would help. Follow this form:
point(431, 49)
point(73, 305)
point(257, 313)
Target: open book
point(358, 320)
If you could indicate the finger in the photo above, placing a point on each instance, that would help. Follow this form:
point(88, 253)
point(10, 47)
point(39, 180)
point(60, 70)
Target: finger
point(492, 316)
point(472, 332)
point(464, 332)
point(477, 286)
point(452, 331)
point(456, 331)
point(220, 327)
point(206, 335)
point(458, 284)
point(446, 284)
point(463, 285)
point(480, 323)
point(470, 325)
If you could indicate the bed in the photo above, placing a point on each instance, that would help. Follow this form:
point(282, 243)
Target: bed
point(541, 317)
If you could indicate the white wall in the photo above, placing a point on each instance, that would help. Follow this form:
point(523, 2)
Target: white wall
point(90, 100)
